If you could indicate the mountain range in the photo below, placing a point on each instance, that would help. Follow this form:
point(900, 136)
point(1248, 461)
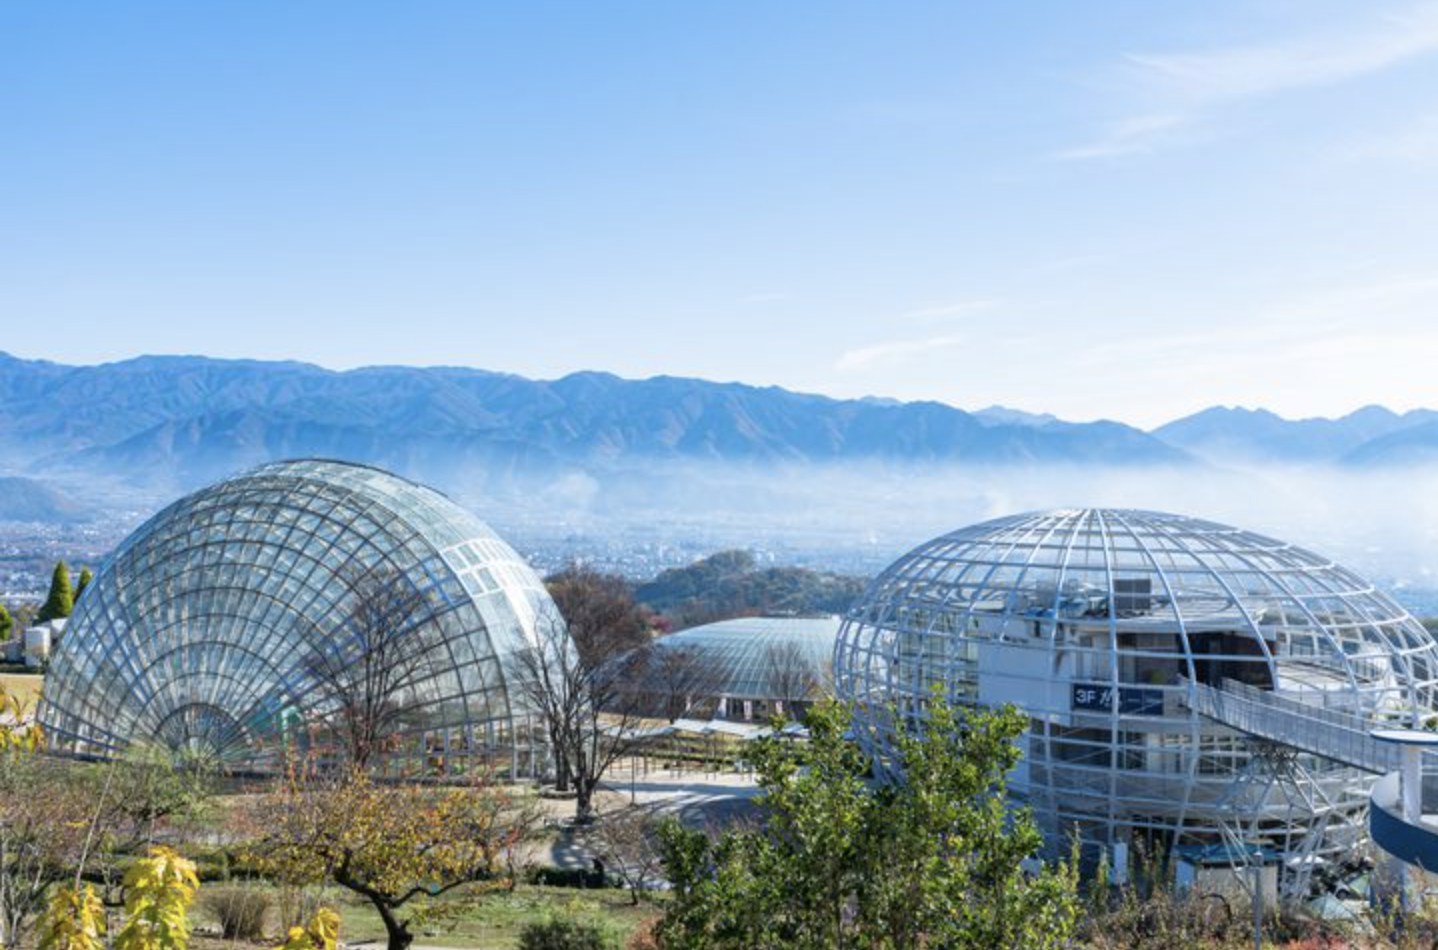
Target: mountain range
point(173, 422)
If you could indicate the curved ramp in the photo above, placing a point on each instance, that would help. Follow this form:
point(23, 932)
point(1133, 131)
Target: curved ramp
point(1330, 733)
point(1342, 737)
point(1413, 842)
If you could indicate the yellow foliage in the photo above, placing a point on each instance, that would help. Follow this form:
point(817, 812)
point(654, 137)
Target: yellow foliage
point(321, 933)
point(15, 732)
point(158, 893)
point(73, 920)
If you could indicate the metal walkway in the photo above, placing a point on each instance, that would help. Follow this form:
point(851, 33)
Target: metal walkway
point(1342, 737)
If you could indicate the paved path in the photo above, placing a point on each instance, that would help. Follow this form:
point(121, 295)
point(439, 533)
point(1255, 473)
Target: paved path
point(695, 797)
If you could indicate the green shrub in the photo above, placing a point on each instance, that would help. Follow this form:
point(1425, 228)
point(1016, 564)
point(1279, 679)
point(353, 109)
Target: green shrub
point(564, 933)
point(570, 877)
point(240, 911)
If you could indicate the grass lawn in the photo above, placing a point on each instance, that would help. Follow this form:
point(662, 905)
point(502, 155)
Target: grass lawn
point(491, 924)
point(23, 686)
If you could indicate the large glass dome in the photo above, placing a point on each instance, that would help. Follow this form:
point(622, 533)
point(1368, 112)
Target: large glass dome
point(1107, 628)
point(212, 627)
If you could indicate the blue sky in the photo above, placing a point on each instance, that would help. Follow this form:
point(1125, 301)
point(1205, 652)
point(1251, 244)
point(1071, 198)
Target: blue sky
point(1129, 210)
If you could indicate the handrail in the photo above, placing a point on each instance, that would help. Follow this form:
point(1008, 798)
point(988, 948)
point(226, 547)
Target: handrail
point(1342, 737)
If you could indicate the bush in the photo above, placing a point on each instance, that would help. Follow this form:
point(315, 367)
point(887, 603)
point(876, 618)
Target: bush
point(571, 877)
point(297, 905)
point(240, 911)
point(561, 933)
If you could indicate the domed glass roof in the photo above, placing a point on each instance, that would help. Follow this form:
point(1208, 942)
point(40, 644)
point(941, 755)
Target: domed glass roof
point(207, 626)
point(1099, 623)
point(746, 658)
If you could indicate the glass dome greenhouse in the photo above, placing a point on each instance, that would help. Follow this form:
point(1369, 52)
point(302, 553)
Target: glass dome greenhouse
point(1129, 639)
point(211, 628)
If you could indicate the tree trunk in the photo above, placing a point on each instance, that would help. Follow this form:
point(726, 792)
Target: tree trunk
point(399, 937)
point(583, 801)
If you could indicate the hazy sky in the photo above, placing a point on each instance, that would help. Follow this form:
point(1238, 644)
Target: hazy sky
point(1122, 209)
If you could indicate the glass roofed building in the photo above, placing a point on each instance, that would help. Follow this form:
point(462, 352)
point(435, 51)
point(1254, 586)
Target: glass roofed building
point(746, 669)
point(1188, 684)
point(242, 620)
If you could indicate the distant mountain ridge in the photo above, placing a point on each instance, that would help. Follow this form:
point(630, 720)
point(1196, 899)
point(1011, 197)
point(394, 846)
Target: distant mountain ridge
point(1372, 435)
point(192, 419)
point(178, 421)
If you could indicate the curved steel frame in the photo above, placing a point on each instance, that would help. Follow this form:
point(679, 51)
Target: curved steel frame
point(214, 603)
point(1094, 622)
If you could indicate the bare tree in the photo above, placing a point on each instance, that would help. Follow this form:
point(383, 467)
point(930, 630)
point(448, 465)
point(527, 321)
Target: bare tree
point(678, 680)
point(792, 678)
point(45, 814)
point(584, 699)
point(367, 672)
point(627, 843)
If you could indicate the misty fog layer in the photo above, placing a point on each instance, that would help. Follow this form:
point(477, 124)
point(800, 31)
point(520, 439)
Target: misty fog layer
point(1383, 523)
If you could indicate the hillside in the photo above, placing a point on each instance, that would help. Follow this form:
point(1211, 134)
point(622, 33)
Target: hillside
point(25, 499)
point(730, 584)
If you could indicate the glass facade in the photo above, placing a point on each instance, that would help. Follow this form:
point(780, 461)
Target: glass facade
point(201, 630)
point(1100, 625)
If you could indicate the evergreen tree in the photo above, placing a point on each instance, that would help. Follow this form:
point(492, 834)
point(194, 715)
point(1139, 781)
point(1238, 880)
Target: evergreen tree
point(7, 623)
point(61, 601)
point(85, 578)
point(840, 862)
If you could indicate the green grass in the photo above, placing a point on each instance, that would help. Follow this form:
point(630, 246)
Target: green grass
point(494, 921)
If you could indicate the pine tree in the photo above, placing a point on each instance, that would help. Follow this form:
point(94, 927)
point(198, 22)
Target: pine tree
point(7, 623)
point(61, 601)
point(85, 578)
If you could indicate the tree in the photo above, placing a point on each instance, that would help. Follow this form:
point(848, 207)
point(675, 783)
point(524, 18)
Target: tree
point(158, 894)
point(574, 674)
point(791, 678)
point(599, 609)
point(399, 846)
point(60, 601)
point(44, 820)
point(7, 623)
point(678, 678)
point(85, 578)
point(588, 707)
point(146, 788)
point(934, 860)
point(627, 843)
point(366, 677)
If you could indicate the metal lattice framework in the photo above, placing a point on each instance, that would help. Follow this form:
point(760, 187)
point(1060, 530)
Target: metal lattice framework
point(739, 655)
point(196, 631)
point(1100, 624)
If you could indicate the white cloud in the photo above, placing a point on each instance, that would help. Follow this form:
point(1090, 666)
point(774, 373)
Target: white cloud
point(958, 310)
point(891, 353)
point(1130, 137)
point(1189, 85)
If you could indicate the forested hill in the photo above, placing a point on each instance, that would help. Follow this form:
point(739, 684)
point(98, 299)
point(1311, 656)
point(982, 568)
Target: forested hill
point(731, 584)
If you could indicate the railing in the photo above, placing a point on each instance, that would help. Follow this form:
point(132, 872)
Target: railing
point(1343, 737)
point(1333, 734)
